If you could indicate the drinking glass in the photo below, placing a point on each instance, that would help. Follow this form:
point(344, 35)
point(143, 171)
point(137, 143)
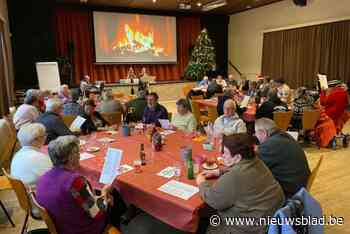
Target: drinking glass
point(177, 170)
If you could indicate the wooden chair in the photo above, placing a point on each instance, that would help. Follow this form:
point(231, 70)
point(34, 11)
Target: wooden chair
point(212, 114)
point(170, 116)
point(68, 119)
point(23, 199)
point(282, 119)
point(187, 88)
point(5, 185)
point(112, 118)
point(310, 118)
point(313, 174)
point(197, 114)
point(51, 225)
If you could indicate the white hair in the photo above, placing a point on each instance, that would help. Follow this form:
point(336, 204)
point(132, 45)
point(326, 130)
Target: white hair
point(62, 149)
point(266, 124)
point(229, 103)
point(63, 87)
point(28, 133)
point(53, 104)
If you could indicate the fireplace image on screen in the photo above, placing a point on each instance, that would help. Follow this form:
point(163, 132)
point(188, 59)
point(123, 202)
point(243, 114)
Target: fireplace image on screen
point(134, 38)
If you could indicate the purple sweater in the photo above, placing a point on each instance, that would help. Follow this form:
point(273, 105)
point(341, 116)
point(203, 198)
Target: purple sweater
point(53, 193)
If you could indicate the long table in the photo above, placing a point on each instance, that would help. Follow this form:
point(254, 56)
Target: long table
point(141, 189)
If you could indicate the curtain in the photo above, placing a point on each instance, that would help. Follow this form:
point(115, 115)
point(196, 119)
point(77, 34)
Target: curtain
point(74, 29)
point(4, 91)
point(298, 55)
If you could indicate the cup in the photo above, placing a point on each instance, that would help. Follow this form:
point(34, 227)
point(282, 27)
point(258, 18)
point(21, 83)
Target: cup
point(137, 165)
point(126, 130)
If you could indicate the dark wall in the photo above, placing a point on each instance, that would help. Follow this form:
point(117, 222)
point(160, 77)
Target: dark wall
point(33, 40)
point(217, 27)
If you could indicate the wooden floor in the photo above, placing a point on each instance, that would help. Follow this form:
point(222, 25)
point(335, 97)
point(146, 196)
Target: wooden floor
point(331, 188)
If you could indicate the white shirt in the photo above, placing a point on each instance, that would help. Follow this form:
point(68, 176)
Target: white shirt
point(25, 114)
point(229, 125)
point(29, 164)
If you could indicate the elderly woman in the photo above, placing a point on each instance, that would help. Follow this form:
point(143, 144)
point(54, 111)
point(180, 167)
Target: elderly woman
point(29, 110)
point(183, 120)
point(73, 107)
point(29, 163)
point(68, 196)
point(238, 192)
point(109, 104)
point(93, 118)
point(229, 123)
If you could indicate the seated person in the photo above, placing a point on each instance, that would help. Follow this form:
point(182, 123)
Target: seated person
point(183, 120)
point(93, 118)
point(283, 90)
point(85, 85)
point(302, 101)
point(272, 104)
point(222, 99)
point(283, 155)
point(29, 163)
point(253, 91)
point(229, 123)
point(109, 104)
point(213, 88)
point(246, 188)
point(136, 107)
point(29, 110)
point(220, 81)
point(73, 107)
point(203, 84)
point(200, 89)
point(335, 101)
point(154, 111)
point(68, 196)
point(131, 74)
point(52, 120)
point(64, 94)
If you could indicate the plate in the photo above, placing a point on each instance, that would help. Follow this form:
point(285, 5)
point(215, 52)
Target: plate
point(212, 167)
point(92, 149)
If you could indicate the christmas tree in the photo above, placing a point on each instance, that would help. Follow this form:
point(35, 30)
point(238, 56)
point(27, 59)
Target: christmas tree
point(202, 58)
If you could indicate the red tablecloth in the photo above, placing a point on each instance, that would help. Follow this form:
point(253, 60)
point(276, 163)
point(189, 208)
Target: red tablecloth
point(141, 189)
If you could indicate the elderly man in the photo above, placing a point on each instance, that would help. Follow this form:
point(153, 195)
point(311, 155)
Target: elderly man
point(283, 155)
point(229, 123)
point(28, 111)
point(52, 120)
point(64, 94)
point(29, 163)
point(154, 111)
point(68, 196)
point(109, 104)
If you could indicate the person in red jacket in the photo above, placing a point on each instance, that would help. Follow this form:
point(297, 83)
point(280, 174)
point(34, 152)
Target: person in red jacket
point(335, 101)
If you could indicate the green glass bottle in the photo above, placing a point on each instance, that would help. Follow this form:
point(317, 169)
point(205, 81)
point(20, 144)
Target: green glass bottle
point(190, 173)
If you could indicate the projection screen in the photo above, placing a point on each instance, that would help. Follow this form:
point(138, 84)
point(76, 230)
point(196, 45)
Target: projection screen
point(134, 38)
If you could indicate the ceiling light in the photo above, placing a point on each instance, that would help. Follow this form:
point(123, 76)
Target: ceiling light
point(213, 5)
point(199, 4)
point(154, 1)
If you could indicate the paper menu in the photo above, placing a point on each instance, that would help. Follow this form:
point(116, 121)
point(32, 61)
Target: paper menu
point(167, 132)
point(245, 101)
point(111, 166)
point(77, 123)
point(323, 81)
point(179, 189)
point(295, 135)
point(165, 123)
point(167, 172)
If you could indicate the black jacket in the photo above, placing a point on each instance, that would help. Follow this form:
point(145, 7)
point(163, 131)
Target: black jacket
point(286, 160)
point(54, 125)
point(89, 125)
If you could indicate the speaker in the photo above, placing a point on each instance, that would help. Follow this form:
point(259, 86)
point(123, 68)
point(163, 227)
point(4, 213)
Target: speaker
point(300, 2)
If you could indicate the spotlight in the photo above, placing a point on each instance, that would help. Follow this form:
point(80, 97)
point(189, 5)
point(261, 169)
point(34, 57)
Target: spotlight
point(199, 4)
